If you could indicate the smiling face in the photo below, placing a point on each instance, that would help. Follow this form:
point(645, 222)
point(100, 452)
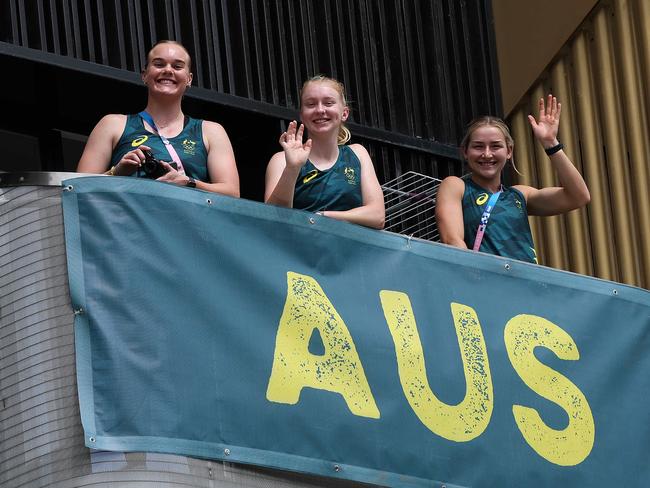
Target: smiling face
point(168, 69)
point(487, 152)
point(322, 108)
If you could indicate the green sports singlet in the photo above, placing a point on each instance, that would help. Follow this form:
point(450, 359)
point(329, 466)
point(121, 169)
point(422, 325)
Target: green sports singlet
point(508, 231)
point(338, 188)
point(188, 144)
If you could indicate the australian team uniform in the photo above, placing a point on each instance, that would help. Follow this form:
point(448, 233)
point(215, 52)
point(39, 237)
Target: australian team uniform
point(337, 188)
point(188, 144)
point(508, 231)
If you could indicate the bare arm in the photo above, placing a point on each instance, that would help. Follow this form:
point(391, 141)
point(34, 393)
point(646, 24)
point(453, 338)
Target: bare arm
point(449, 211)
point(222, 168)
point(572, 192)
point(372, 212)
point(97, 153)
point(280, 181)
point(284, 167)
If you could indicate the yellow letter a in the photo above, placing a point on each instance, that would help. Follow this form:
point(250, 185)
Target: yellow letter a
point(566, 447)
point(338, 370)
point(468, 419)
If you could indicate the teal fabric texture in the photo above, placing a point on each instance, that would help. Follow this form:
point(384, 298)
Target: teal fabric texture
point(508, 231)
point(188, 144)
point(338, 188)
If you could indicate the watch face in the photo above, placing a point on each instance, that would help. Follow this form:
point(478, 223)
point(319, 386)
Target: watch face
point(191, 182)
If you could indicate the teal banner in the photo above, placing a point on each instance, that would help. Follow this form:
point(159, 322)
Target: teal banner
point(223, 328)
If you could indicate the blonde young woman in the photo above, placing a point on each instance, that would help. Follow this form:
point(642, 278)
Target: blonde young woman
point(479, 213)
point(200, 149)
point(324, 174)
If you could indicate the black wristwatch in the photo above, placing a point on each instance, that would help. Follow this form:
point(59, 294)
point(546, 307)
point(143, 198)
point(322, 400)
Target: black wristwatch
point(191, 182)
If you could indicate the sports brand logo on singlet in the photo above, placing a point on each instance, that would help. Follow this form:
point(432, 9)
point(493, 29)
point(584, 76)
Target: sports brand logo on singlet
point(310, 176)
point(139, 141)
point(350, 175)
point(482, 198)
point(189, 147)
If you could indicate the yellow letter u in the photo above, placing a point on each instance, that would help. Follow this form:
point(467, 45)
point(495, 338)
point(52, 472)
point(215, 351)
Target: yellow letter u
point(468, 419)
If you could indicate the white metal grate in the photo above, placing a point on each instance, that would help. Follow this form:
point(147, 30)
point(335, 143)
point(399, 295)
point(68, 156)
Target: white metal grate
point(410, 201)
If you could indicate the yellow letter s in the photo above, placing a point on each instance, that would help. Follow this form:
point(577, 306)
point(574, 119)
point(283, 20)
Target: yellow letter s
point(573, 444)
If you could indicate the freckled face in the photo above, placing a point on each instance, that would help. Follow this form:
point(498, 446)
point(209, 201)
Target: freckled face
point(322, 108)
point(167, 70)
point(487, 152)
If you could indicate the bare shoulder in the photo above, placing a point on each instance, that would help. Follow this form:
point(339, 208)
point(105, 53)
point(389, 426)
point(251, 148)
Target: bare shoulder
point(277, 160)
point(112, 122)
point(364, 158)
point(101, 141)
point(215, 137)
point(113, 118)
point(452, 185)
point(360, 151)
point(214, 128)
point(108, 130)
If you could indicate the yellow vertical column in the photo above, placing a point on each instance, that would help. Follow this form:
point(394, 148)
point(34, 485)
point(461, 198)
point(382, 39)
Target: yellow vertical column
point(523, 158)
point(578, 243)
point(592, 160)
point(642, 22)
point(613, 138)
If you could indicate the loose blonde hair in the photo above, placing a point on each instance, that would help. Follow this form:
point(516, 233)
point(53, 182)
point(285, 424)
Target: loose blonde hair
point(490, 121)
point(344, 134)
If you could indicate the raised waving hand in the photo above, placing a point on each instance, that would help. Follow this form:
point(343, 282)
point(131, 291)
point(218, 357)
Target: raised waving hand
point(548, 123)
point(296, 152)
